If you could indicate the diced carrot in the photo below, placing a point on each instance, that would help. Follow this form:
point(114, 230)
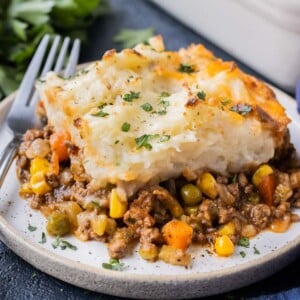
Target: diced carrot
point(177, 234)
point(55, 163)
point(57, 142)
point(266, 189)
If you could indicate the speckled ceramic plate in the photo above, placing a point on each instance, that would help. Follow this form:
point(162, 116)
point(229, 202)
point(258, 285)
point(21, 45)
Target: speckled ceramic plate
point(208, 275)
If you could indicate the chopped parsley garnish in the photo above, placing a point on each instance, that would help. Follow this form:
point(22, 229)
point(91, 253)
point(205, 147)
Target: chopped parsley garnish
point(44, 239)
point(100, 113)
point(31, 228)
point(63, 244)
point(244, 242)
point(242, 254)
point(102, 105)
point(164, 138)
point(114, 264)
point(164, 104)
point(129, 78)
point(201, 95)
point(125, 127)
point(81, 72)
point(96, 204)
point(56, 242)
point(225, 102)
point(131, 96)
point(117, 142)
point(144, 141)
point(241, 109)
point(256, 251)
point(185, 68)
point(164, 95)
point(147, 107)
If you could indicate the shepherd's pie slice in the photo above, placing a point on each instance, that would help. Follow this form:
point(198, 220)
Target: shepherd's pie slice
point(145, 115)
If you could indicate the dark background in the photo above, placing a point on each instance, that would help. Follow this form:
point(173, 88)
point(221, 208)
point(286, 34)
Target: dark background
point(19, 280)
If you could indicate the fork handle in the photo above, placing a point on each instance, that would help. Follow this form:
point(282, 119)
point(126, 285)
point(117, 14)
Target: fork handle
point(7, 157)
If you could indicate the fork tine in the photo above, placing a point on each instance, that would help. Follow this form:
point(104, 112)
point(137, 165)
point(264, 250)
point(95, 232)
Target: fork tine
point(32, 71)
point(51, 56)
point(46, 68)
point(71, 66)
point(62, 55)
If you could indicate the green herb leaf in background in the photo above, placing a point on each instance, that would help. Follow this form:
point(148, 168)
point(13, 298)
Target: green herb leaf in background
point(131, 37)
point(24, 22)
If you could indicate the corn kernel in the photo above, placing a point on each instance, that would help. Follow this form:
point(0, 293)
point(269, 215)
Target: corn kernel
point(260, 173)
point(173, 256)
point(149, 252)
point(99, 224)
point(117, 207)
point(227, 229)
point(224, 246)
point(39, 164)
point(39, 184)
point(207, 185)
point(25, 188)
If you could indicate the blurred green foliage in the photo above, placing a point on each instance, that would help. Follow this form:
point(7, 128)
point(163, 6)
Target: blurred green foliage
point(24, 22)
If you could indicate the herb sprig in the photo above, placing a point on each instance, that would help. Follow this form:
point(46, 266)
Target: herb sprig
point(100, 112)
point(114, 264)
point(147, 107)
point(125, 127)
point(144, 140)
point(201, 95)
point(43, 239)
point(244, 242)
point(31, 228)
point(63, 244)
point(185, 68)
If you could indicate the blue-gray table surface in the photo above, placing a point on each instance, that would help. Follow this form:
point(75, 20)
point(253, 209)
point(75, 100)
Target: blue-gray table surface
point(19, 280)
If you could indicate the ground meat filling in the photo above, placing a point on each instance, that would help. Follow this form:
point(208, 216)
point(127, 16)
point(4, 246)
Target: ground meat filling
point(236, 199)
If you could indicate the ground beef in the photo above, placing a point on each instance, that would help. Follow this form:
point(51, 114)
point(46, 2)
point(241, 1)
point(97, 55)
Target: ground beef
point(151, 235)
point(137, 219)
point(260, 215)
point(32, 134)
point(226, 214)
point(226, 197)
point(242, 180)
point(119, 244)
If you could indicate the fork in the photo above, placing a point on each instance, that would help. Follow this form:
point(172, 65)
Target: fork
point(21, 115)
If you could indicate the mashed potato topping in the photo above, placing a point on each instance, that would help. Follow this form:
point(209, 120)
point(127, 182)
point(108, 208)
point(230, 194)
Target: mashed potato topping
point(145, 115)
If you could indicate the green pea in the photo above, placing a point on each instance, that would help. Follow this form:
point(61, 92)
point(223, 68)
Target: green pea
point(189, 210)
point(58, 224)
point(191, 194)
